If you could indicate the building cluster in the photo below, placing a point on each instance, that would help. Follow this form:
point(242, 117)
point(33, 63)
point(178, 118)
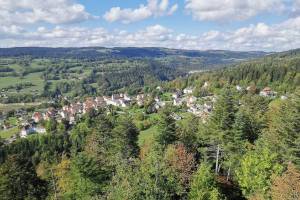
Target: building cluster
point(266, 92)
point(193, 104)
point(200, 107)
point(74, 110)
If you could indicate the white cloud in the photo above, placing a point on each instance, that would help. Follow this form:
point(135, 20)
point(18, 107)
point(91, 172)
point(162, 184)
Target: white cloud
point(154, 8)
point(230, 10)
point(277, 37)
point(296, 8)
point(50, 11)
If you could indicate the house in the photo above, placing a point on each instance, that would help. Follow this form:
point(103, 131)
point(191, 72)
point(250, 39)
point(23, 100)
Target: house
point(267, 92)
point(238, 88)
point(159, 104)
point(177, 94)
point(39, 129)
point(140, 98)
point(188, 90)
point(283, 97)
point(177, 102)
point(37, 117)
point(64, 114)
point(190, 101)
point(89, 105)
point(26, 130)
point(126, 97)
point(122, 103)
point(76, 108)
point(115, 97)
point(205, 84)
point(29, 129)
point(50, 113)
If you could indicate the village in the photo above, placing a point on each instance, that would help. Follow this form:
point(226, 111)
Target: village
point(198, 106)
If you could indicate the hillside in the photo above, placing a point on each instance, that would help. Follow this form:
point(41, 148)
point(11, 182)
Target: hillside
point(281, 71)
point(204, 58)
point(32, 73)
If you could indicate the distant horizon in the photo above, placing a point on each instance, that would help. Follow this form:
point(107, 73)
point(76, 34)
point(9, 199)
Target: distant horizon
point(142, 47)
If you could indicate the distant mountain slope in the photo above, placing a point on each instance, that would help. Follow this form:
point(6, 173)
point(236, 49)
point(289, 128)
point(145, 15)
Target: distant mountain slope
point(281, 71)
point(190, 59)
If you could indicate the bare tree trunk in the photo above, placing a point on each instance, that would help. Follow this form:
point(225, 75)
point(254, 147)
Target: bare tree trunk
point(219, 167)
point(217, 160)
point(228, 174)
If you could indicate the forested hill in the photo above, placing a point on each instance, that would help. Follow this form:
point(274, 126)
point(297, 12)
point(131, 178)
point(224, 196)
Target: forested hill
point(211, 57)
point(280, 71)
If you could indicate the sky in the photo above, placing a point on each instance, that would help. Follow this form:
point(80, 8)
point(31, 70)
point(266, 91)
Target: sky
point(239, 25)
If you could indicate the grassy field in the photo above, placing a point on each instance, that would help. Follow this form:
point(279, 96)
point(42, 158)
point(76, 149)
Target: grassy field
point(147, 135)
point(15, 106)
point(34, 78)
point(9, 133)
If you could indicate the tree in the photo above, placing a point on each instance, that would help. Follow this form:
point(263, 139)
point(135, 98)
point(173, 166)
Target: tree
point(203, 185)
point(125, 183)
point(282, 134)
point(287, 186)
point(125, 136)
point(186, 132)
point(254, 174)
point(18, 180)
point(51, 126)
point(166, 128)
point(179, 167)
point(218, 131)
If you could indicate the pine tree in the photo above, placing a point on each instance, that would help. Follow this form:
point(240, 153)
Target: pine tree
point(203, 185)
point(18, 180)
point(166, 128)
point(283, 135)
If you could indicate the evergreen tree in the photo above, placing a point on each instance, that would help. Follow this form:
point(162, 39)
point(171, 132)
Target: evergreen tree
point(166, 128)
point(282, 134)
point(125, 138)
point(18, 180)
point(203, 185)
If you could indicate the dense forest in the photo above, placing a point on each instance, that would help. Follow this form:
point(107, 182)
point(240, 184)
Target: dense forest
point(248, 148)
point(279, 71)
point(242, 152)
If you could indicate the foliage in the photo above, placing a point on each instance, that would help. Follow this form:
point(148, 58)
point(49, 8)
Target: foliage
point(254, 174)
point(203, 185)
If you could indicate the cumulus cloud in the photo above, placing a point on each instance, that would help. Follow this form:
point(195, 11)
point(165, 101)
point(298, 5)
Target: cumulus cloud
point(277, 37)
point(296, 8)
point(230, 10)
point(154, 8)
point(22, 12)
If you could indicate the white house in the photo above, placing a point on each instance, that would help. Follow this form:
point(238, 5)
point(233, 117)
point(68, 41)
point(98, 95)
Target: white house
point(188, 90)
point(238, 88)
point(205, 84)
point(267, 92)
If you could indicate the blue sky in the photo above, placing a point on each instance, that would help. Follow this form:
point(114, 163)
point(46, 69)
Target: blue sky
point(268, 25)
point(180, 21)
